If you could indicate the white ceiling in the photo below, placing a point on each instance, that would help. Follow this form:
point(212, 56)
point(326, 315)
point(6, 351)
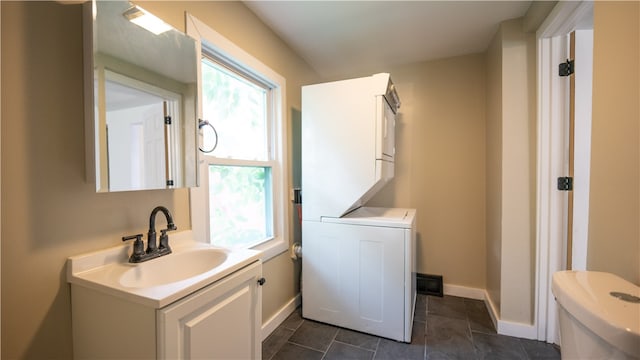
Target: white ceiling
point(339, 38)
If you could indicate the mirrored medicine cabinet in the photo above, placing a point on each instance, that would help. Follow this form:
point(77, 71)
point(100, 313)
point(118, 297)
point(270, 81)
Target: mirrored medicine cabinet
point(140, 101)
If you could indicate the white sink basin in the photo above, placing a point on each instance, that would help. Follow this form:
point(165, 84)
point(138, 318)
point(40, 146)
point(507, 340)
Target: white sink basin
point(173, 267)
point(157, 282)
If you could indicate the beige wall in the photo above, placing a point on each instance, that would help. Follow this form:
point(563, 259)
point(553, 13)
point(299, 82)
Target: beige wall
point(48, 211)
point(511, 172)
point(440, 168)
point(494, 168)
point(518, 181)
point(614, 208)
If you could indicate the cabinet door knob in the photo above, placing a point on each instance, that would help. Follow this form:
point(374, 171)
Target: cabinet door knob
point(261, 281)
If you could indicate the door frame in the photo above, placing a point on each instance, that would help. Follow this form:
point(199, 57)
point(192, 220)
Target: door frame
point(552, 157)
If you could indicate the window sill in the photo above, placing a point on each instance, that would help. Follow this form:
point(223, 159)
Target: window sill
point(271, 249)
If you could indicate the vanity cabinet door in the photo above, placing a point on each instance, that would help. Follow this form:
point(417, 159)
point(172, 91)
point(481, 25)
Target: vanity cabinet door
point(221, 321)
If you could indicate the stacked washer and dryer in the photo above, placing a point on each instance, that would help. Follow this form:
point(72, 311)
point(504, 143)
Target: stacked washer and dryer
point(359, 263)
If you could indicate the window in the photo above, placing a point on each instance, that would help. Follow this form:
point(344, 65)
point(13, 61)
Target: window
point(241, 202)
point(237, 108)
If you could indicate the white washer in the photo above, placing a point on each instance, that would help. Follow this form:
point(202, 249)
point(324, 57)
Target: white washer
point(359, 271)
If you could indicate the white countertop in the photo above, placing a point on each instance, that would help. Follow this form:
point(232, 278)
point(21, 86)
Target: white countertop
point(102, 271)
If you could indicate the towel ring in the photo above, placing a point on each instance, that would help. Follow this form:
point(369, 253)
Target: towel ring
point(203, 123)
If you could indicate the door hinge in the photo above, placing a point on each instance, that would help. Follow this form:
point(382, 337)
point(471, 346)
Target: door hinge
point(167, 120)
point(566, 68)
point(565, 183)
point(296, 195)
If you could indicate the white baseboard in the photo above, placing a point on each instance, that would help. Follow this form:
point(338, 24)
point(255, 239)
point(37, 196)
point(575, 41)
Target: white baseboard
point(491, 307)
point(503, 327)
point(520, 330)
point(463, 291)
point(280, 316)
point(510, 328)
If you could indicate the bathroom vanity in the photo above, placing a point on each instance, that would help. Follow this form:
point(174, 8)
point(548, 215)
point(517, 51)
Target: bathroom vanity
point(198, 302)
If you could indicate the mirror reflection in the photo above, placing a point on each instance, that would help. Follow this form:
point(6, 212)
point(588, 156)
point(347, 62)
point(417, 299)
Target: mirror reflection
point(144, 90)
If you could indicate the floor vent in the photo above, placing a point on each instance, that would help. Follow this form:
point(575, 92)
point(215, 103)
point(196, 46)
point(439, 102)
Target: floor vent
point(429, 284)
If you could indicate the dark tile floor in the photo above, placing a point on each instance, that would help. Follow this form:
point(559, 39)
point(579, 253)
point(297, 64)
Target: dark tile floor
point(444, 328)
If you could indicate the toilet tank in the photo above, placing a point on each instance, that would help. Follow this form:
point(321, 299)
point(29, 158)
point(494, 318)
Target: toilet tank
point(599, 315)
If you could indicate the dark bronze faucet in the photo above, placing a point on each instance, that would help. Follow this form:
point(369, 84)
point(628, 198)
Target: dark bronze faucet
point(153, 251)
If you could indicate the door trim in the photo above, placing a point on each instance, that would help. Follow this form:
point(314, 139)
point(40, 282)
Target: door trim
point(551, 126)
point(551, 204)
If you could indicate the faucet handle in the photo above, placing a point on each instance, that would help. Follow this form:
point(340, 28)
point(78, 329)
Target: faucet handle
point(131, 237)
point(164, 238)
point(138, 245)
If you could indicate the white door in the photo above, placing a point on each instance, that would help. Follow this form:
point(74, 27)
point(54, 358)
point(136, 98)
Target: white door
point(582, 146)
point(220, 322)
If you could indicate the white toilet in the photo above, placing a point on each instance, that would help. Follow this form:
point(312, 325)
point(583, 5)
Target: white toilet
point(594, 324)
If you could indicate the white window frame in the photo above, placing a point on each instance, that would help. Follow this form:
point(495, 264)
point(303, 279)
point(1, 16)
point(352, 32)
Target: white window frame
point(199, 197)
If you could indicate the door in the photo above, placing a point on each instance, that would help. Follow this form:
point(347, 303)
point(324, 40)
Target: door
point(221, 321)
point(580, 142)
point(134, 135)
point(579, 148)
point(572, 125)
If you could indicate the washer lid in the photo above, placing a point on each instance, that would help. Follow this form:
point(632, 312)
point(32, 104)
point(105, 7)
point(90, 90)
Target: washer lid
point(376, 216)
